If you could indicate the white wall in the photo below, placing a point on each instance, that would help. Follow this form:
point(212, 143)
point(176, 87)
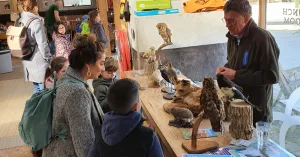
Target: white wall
point(188, 29)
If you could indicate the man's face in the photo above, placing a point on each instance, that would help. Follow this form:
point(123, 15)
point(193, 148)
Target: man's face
point(59, 3)
point(235, 22)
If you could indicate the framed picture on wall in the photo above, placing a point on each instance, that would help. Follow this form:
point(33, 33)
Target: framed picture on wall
point(45, 3)
point(7, 6)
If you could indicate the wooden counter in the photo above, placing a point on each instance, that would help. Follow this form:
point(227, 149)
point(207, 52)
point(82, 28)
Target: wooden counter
point(3, 36)
point(171, 137)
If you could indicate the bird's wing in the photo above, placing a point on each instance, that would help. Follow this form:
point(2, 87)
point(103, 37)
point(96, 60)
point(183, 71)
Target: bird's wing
point(223, 81)
point(169, 32)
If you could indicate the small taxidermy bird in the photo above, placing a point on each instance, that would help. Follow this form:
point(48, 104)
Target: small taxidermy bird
point(149, 52)
point(170, 72)
point(232, 90)
point(164, 32)
point(225, 82)
point(182, 117)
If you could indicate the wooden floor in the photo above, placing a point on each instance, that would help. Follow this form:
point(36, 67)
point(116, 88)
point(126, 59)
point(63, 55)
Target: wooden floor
point(14, 91)
point(22, 151)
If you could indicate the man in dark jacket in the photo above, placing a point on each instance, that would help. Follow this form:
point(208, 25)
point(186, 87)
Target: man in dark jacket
point(51, 17)
point(122, 132)
point(104, 81)
point(252, 55)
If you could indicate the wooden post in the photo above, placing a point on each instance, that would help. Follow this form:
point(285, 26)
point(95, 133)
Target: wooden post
point(117, 19)
point(241, 117)
point(262, 15)
point(102, 8)
point(14, 6)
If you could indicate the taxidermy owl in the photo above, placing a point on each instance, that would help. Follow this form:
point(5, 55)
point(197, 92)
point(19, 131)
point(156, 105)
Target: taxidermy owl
point(164, 32)
point(213, 106)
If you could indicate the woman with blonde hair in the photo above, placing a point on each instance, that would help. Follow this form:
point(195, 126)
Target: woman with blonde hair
point(35, 65)
point(75, 108)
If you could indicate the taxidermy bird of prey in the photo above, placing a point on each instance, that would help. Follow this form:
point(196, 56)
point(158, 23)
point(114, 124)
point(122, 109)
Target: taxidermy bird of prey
point(213, 106)
point(171, 73)
point(231, 89)
point(164, 32)
point(183, 117)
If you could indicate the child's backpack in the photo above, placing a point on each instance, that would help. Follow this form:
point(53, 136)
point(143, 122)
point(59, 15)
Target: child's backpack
point(35, 127)
point(18, 41)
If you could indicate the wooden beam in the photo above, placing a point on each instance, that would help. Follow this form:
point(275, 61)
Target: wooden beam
point(102, 9)
point(262, 15)
point(14, 6)
point(117, 19)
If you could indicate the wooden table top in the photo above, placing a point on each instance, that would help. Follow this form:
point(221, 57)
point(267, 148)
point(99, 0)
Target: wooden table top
point(152, 104)
point(3, 36)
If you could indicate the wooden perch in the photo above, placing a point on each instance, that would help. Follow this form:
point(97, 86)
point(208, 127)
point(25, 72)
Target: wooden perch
point(193, 146)
point(158, 52)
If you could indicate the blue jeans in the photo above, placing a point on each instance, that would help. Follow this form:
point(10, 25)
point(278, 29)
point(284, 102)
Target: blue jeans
point(37, 87)
point(51, 42)
point(52, 48)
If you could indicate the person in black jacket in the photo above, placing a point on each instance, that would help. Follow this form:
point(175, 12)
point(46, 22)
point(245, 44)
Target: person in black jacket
point(103, 82)
point(122, 133)
point(252, 55)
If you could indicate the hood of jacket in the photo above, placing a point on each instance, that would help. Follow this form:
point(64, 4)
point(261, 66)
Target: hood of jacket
point(116, 127)
point(105, 82)
point(28, 15)
point(72, 75)
point(58, 35)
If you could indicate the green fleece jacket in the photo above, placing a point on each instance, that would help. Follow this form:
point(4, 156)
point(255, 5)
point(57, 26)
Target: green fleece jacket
point(255, 59)
point(101, 87)
point(85, 29)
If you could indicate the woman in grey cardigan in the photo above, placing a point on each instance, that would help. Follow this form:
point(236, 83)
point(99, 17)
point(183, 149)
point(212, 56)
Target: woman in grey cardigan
point(35, 66)
point(74, 107)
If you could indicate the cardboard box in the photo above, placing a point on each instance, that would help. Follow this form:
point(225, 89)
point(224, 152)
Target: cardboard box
point(156, 12)
point(146, 5)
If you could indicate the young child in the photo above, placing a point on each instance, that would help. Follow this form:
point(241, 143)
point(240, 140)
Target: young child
point(122, 132)
point(62, 40)
point(59, 65)
point(85, 29)
point(96, 28)
point(102, 84)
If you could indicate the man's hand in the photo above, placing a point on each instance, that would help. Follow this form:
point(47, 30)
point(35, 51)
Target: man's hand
point(229, 73)
point(220, 69)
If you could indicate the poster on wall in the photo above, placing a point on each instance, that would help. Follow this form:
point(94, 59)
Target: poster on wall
point(45, 4)
point(7, 6)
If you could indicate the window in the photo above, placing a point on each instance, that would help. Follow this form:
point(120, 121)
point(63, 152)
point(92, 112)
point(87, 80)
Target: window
point(283, 21)
point(73, 3)
point(255, 10)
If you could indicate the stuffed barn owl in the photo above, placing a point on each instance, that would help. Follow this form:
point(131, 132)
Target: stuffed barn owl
point(164, 32)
